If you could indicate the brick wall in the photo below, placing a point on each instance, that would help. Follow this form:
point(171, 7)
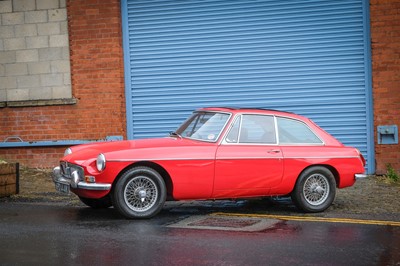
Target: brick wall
point(97, 84)
point(385, 35)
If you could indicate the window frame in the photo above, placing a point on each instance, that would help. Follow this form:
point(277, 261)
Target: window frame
point(240, 116)
point(277, 138)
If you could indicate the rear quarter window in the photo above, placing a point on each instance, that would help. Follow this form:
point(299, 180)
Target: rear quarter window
point(291, 131)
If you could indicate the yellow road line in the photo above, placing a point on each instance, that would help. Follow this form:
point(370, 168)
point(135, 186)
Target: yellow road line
point(309, 219)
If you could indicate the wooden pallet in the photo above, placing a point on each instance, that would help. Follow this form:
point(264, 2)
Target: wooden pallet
point(9, 179)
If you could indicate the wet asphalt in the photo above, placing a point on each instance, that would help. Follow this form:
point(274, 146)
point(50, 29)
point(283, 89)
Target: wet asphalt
point(55, 234)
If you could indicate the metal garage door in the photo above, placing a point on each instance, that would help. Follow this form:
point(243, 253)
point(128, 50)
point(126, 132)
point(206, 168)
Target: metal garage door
point(308, 57)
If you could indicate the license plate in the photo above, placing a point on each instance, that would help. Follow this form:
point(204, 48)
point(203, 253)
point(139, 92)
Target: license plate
point(62, 188)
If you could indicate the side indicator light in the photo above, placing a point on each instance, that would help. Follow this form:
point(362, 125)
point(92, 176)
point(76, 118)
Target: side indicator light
point(90, 179)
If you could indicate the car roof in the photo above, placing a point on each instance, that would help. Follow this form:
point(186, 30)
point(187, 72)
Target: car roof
point(328, 139)
point(251, 110)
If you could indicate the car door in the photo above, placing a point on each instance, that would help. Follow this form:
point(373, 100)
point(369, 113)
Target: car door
point(248, 161)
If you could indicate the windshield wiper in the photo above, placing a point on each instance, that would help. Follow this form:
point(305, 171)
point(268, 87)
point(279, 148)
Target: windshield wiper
point(175, 134)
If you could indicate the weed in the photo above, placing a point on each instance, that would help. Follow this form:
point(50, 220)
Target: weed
point(391, 173)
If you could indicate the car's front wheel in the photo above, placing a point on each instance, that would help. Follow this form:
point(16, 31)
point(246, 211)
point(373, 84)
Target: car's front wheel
point(315, 189)
point(139, 193)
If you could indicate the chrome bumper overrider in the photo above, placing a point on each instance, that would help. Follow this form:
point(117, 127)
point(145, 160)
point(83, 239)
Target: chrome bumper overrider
point(360, 176)
point(74, 181)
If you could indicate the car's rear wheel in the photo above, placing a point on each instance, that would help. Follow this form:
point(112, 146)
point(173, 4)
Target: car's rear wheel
point(315, 189)
point(139, 193)
point(101, 203)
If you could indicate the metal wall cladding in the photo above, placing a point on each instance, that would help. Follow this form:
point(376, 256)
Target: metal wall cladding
point(308, 57)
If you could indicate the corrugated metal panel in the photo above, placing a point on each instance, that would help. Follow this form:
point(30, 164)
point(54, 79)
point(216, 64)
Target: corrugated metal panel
point(306, 57)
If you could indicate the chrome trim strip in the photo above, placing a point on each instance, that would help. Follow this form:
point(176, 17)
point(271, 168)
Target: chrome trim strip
point(160, 159)
point(240, 128)
point(238, 158)
point(276, 130)
point(327, 157)
point(226, 158)
point(302, 144)
point(250, 144)
point(248, 158)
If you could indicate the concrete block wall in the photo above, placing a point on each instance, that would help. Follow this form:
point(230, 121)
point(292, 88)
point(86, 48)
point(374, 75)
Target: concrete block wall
point(34, 50)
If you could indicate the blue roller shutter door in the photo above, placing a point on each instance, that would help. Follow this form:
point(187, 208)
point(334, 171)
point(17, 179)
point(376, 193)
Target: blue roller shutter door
point(308, 57)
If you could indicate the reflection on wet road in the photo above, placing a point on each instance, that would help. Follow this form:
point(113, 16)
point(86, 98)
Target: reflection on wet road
point(49, 234)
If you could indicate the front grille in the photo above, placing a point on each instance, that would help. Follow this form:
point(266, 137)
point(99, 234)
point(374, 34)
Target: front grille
point(67, 169)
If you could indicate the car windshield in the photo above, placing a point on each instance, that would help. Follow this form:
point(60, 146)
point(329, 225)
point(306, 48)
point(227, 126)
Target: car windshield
point(205, 126)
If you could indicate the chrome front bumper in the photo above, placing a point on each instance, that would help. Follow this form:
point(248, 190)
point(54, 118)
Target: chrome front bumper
point(360, 176)
point(75, 182)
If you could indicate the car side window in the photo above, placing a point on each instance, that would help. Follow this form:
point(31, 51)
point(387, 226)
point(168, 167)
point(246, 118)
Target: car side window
point(292, 131)
point(252, 129)
point(204, 126)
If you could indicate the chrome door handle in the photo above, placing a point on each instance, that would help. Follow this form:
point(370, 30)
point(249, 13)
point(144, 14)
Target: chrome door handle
point(274, 151)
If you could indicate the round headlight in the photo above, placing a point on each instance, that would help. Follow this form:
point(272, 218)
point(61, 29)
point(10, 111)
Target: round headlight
point(101, 162)
point(67, 151)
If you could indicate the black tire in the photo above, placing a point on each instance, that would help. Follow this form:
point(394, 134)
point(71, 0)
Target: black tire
point(102, 203)
point(139, 193)
point(315, 189)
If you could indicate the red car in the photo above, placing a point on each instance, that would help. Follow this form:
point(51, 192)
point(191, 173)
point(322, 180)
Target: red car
point(217, 153)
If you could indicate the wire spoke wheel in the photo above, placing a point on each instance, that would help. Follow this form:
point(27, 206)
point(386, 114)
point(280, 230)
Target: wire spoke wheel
point(140, 194)
point(316, 189)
